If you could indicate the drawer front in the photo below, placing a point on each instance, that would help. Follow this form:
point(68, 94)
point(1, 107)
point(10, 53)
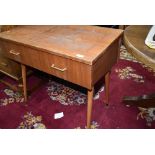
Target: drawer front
point(10, 50)
point(67, 69)
point(20, 53)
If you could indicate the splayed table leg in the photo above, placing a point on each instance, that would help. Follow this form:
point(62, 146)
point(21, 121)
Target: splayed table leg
point(107, 83)
point(89, 107)
point(24, 81)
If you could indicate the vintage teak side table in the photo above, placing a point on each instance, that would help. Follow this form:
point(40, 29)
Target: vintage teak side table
point(79, 54)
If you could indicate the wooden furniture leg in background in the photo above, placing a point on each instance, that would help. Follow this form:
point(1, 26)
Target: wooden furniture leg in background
point(24, 81)
point(107, 83)
point(145, 101)
point(13, 87)
point(89, 107)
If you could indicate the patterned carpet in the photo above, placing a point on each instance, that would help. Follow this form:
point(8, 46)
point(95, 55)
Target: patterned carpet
point(128, 77)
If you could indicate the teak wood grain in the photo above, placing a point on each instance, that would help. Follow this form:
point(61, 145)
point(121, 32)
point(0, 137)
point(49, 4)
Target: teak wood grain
point(66, 41)
point(79, 54)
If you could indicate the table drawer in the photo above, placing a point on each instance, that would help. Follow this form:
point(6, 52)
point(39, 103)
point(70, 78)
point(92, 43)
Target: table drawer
point(20, 53)
point(10, 50)
point(67, 69)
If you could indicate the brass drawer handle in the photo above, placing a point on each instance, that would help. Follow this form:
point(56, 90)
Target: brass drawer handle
point(4, 64)
point(14, 52)
point(59, 69)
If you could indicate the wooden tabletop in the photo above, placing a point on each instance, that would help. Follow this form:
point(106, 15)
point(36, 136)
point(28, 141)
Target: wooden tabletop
point(82, 43)
point(134, 39)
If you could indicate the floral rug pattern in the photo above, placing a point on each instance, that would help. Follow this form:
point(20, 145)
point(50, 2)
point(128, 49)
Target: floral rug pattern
point(148, 114)
point(31, 122)
point(12, 97)
point(65, 95)
point(129, 73)
point(125, 55)
point(68, 96)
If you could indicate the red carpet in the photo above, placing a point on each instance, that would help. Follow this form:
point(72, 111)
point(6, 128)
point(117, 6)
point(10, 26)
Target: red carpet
point(128, 77)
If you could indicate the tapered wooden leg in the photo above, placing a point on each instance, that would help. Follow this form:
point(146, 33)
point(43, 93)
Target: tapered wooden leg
point(24, 81)
point(89, 107)
point(107, 83)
